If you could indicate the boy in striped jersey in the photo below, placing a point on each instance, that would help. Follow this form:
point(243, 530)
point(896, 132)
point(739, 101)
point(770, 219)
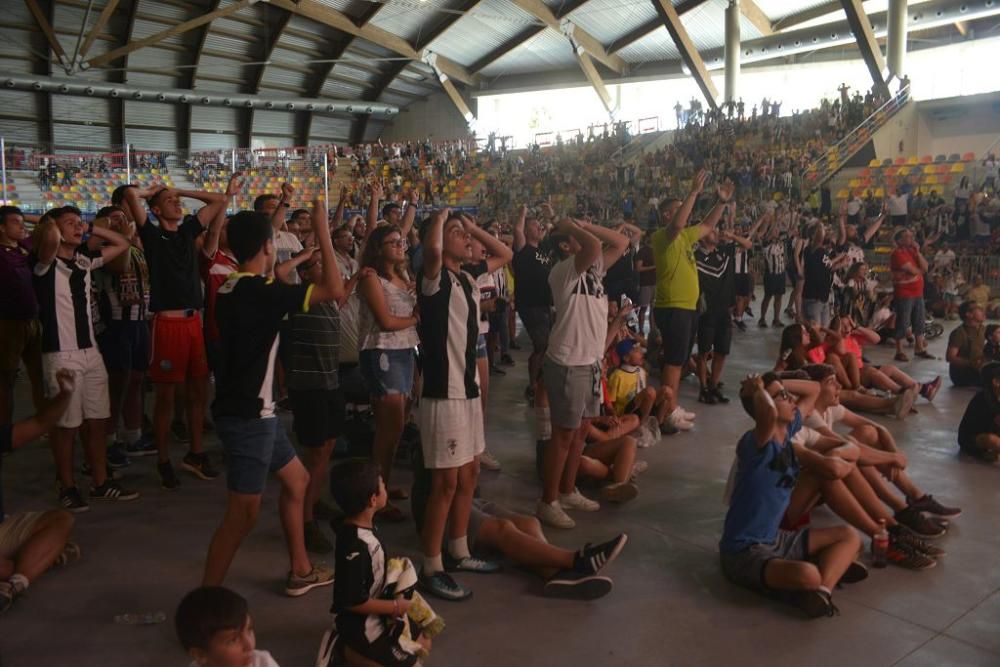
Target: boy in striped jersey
point(62, 279)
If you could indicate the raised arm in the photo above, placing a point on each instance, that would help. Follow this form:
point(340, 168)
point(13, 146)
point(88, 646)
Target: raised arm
point(499, 254)
point(373, 206)
point(338, 216)
point(519, 228)
point(118, 243)
point(806, 390)
point(410, 215)
point(590, 245)
point(842, 223)
point(331, 284)
point(46, 242)
point(281, 210)
point(874, 227)
point(615, 243)
point(680, 219)
point(135, 209)
point(283, 271)
point(434, 244)
point(765, 412)
point(215, 225)
point(725, 192)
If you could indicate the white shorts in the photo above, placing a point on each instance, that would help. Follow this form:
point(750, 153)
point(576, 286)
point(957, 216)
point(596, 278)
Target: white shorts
point(90, 397)
point(16, 531)
point(451, 431)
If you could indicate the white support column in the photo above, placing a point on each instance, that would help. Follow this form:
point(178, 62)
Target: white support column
point(732, 49)
point(896, 44)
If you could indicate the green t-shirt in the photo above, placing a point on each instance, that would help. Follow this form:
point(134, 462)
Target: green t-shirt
point(676, 271)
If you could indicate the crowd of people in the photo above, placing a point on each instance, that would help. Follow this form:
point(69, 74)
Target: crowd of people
point(297, 309)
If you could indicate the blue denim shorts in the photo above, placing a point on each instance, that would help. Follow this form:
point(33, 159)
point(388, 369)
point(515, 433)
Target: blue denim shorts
point(254, 448)
point(388, 372)
point(481, 351)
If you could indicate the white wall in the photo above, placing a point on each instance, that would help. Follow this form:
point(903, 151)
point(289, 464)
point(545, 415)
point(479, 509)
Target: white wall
point(436, 118)
point(902, 127)
point(966, 124)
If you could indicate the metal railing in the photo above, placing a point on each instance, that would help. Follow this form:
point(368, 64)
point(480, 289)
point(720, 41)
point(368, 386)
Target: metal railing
point(823, 167)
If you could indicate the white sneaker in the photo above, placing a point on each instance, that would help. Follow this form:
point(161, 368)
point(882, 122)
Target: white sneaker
point(687, 415)
point(551, 514)
point(488, 461)
point(639, 467)
point(677, 420)
point(577, 501)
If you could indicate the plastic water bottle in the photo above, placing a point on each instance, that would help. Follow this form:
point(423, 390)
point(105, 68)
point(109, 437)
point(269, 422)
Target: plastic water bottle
point(880, 545)
point(141, 618)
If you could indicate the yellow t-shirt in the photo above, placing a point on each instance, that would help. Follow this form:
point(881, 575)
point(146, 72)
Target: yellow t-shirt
point(623, 386)
point(676, 271)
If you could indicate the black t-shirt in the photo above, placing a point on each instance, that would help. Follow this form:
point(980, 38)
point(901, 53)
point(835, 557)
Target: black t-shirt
point(359, 561)
point(531, 277)
point(645, 255)
point(622, 278)
point(716, 271)
point(981, 416)
point(174, 282)
point(819, 277)
point(249, 311)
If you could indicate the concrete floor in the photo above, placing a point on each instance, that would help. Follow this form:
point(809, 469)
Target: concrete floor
point(670, 604)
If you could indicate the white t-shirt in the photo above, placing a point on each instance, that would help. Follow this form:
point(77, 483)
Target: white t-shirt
point(943, 259)
point(347, 265)
point(897, 204)
point(581, 323)
point(828, 418)
point(287, 244)
point(854, 206)
point(260, 659)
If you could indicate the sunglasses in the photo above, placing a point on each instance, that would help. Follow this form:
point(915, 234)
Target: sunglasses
point(782, 395)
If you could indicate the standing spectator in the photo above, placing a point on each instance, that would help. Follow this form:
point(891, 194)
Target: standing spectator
point(645, 266)
point(819, 263)
point(716, 280)
point(531, 265)
point(897, 204)
point(675, 308)
point(175, 298)
point(63, 275)
point(908, 267)
point(20, 329)
point(775, 270)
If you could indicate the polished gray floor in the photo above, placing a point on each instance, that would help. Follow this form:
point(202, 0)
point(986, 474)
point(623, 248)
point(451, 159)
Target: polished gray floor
point(670, 604)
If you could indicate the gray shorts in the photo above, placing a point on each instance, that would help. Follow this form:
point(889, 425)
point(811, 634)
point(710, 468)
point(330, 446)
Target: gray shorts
point(746, 568)
point(814, 310)
point(483, 510)
point(537, 322)
point(646, 293)
point(574, 393)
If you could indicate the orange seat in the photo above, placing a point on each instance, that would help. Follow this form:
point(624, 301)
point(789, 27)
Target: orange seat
point(968, 157)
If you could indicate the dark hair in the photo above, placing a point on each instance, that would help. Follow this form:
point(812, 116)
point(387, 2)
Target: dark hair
point(388, 207)
point(791, 341)
point(990, 330)
point(151, 202)
point(666, 204)
point(247, 232)
point(118, 194)
point(108, 210)
point(989, 372)
point(554, 241)
point(8, 210)
point(371, 256)
point(747, 401)
point(353, 483)
point(343, 228)
point(299, 211)
point(259, 202)
point(966, 307)
point(63, 210)
point(819, 372)
point(207, 611)
point(855, 269)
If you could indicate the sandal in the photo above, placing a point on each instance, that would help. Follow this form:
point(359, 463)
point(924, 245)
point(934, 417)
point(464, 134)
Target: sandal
point(390, 513)
point(901, 356)
point(924, 354)
point(398, 494)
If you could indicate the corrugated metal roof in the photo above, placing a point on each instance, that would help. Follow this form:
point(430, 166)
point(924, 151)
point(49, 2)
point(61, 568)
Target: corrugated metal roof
point(609, 19)
point(480, 31)
point(143, 29)
point(406, 17)
point(342, 90)
point(273, 122)
point(67, 107)
point(548, 50)
point(81, 136)
point(280, 76)
point(657, 45)
point(331, 127)
point(201, 141)
point(214, 118)
point(19, 131)
point(778, 9)
point(150, 113)
point(174, 13)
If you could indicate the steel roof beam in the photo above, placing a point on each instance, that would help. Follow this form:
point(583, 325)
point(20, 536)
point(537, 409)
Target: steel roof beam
point(102, 21)
point(462, 6)
point(45, 25)
point(870, 52)
point(808, 15)
point(689, 54)
point(753, 13)
point(581, 37)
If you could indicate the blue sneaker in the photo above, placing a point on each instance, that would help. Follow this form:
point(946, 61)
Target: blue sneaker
point(144, 446)
point(470, 564)
point(441, 585)
point(117, 457)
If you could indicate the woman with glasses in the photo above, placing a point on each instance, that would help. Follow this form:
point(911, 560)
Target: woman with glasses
point(387, 341)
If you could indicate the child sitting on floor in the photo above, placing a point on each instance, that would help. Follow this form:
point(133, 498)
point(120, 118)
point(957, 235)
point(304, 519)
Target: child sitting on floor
point(215, 628)
point(630, 393)
point(380, 618)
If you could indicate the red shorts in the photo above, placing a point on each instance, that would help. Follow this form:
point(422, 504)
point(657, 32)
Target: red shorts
point(178, 350)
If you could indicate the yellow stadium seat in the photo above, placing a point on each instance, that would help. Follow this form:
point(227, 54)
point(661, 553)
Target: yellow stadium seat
point(930, 180)
point(958, 168)
point(903, 171)
point(854, 182)
point(913, 161)
point(875, 163)
point(879, 192)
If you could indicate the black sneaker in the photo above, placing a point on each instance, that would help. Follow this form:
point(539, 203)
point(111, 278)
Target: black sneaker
point(506, 360)
point(706, 396)
point(572, 585)
point(854, 573)
point(815, 604)
point(910, 541)
point(762, 323)
point(117, 457)
point(199, 466)
point(918, 524)
point(931, 506)
point(903, 556)
point(168, 478)
point(180, 431)
point(71, 500)
point(496, 370)
point(719, 396)
point(441, 585)
point(592, 559)
point(144, 446)
point(740, 324)
point(111, 491)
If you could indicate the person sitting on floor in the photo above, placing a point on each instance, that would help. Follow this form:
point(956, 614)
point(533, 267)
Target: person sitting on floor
point(880, 460)
point(377, 623)
point(493, 528)
point(33, 542)
point(630, 393)
point(966, 345)
point(215, 628)
point(991, 351)
point(755, 553)
point(979, 430)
